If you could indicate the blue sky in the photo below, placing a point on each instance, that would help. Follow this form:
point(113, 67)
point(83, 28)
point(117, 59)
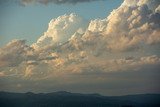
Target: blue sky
point(30, 22)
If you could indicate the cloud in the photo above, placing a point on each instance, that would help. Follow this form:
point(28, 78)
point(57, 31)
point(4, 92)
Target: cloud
point(72, 40)
point(26, 2)
point(17, 52)
point(38, 71)
point(129, 27)
point(132, 26)
point(97, 25)
point(2, 74)
point(75, 51)
point(61, 29)
point(13, 53)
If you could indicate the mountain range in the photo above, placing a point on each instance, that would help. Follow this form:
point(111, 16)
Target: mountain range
point(67, 99)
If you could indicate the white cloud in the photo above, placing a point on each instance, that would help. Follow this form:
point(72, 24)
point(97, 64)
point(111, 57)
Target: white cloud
point(69, 47)
point(97, 25)
point(61, 29)
point(154, 38)
point(150, 60)
point(111, 53)
point(157, 10)
point(130, 26)
point(39, 71)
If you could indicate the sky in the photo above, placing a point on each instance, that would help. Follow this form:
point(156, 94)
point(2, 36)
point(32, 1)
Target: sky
point(111, 47)
point(29, 22)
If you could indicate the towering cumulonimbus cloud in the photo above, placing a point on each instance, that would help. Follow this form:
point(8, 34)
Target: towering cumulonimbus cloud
point(130, 26)
point(61, 29)
point(135, 23)
point(119, 52)
point(71, 45)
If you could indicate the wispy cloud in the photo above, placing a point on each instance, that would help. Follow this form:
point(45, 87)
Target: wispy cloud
point(26, 2)
point(46, 2)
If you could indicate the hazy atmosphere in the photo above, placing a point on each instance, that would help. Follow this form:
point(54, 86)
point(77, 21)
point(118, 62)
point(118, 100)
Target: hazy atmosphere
point(111, 47)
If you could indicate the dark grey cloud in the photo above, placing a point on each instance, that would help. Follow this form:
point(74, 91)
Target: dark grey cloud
point(44, 2)
point(26, 2)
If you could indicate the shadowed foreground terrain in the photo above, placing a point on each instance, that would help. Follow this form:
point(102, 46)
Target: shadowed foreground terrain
point(66, 99)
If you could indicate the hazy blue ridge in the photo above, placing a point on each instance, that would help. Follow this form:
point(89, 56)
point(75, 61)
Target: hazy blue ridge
point(67, 99)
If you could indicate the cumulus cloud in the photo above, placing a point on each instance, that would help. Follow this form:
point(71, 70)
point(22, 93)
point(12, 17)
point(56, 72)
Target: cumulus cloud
point(61, 29)
point(97, 25)
point(13, 53)
point(134, 25)
point(26, 2)
point(129, 27)
point(81, 64)
point(71, 45)
point(109, 53)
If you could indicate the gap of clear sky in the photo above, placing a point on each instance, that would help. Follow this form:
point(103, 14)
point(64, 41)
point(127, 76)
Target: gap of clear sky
point(30, 22)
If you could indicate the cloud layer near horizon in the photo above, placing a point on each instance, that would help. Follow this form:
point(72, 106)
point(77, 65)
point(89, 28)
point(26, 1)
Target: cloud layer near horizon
point(128, 40)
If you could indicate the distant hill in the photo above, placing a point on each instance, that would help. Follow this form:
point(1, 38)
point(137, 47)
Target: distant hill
point(66, 99)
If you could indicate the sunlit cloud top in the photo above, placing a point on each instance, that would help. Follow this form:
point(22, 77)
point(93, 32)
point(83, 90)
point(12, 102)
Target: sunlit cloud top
point(124, 42)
